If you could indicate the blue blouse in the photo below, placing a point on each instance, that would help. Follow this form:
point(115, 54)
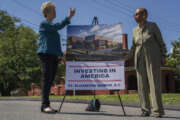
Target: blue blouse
point(49, 41)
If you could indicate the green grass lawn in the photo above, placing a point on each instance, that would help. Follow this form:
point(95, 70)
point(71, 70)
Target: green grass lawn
point(173, 99)
point(167, 98)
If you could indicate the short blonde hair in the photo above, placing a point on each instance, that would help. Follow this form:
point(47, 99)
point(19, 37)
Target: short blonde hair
point(46, 7)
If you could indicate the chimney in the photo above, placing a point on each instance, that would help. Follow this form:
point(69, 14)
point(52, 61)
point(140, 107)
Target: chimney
point(124, 41)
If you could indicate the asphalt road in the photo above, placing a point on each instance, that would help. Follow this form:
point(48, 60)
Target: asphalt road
point(30, 110)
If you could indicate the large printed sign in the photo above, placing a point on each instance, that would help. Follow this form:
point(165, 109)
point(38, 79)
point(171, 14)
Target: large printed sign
point(94, 42)
point(101, 75)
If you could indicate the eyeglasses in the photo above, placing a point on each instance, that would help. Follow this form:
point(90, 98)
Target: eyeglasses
point(139, 13)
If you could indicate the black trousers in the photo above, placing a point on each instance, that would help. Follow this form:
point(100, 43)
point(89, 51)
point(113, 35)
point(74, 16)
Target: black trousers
point(49, 65)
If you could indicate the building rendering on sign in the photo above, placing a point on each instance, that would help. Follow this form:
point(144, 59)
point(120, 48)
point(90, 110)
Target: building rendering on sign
point(93, 48)
point(100, 42)
point(168, 83)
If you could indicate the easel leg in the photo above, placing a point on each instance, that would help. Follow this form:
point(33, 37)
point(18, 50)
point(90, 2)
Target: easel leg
point(62, 102)
point(121, 103)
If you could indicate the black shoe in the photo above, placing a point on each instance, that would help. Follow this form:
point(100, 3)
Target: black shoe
point(48, 110)
point(145, 114)
point(157, 116)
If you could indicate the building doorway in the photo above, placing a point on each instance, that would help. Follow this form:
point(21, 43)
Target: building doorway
point(132, 82)
point(167, 83)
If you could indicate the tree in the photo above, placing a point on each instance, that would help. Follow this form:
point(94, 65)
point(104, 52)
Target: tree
point(19, 65)
point(173, 58)
point(60, 77)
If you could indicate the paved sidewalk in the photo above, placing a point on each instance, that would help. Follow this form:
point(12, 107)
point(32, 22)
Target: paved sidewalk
point(30, 110)
point(127, 104)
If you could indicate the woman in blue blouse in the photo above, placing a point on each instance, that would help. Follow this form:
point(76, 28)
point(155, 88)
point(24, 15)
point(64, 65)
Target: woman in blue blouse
point(49, 48)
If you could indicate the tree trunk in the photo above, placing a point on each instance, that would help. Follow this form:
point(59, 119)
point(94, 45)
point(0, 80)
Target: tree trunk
point(5, 91)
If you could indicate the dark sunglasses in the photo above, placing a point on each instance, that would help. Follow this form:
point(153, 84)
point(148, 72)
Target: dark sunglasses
point(139, 13)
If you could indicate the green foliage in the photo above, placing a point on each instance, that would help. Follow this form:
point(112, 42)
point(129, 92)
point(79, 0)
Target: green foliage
point(19, 65)
point(60, 77)
point(174, 58)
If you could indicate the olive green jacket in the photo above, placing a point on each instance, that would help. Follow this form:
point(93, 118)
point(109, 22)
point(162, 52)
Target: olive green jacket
point(148, 41)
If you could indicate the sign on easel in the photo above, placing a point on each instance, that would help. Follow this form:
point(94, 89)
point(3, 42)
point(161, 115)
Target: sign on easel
point(93, 54)
point(101, 75)
point(94, 58)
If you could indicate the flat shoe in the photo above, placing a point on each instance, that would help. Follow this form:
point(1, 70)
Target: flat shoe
point(48, 110)
point(145, 114)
